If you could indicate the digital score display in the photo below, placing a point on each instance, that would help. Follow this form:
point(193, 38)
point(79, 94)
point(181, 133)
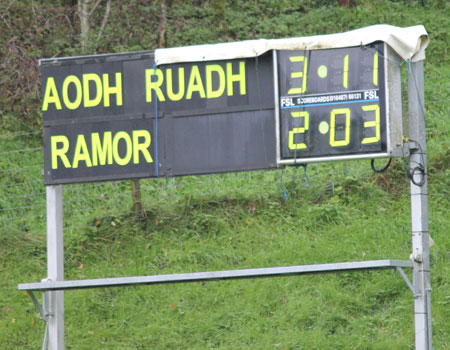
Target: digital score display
point(332, 103)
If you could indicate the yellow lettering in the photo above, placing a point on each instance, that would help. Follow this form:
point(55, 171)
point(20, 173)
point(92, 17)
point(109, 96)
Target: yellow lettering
point(210, 93)
point(339, 143)
point(122, 135)
point(72, 79)
point(59, 152)
point(179, 95)
point(300, 145)
point(153, 85)
point(110, 90)
point(297, 75)
point(141, 147)
point(239, 78)
point(81, 153)
point(195, 84)
point(375, 69)
point(372, 124)
point(51, 95)
point(86, 92)
point(345, 75)
point(102, 152)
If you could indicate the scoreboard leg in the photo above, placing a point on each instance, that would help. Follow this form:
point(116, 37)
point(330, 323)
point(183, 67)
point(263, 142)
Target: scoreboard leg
point(55, 266)
point(419, 207)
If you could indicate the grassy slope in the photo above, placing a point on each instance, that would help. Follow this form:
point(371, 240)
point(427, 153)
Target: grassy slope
point(237, 221)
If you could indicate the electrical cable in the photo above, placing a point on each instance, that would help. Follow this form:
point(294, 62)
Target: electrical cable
point(305, 179)
point(383, 169)
point(260, 102)
point(410, 172)
point(156, 127)
point(420, 167)
point(282, 187)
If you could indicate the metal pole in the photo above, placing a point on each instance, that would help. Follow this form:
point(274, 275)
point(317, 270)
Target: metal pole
point(419, 207)
point(55, 266)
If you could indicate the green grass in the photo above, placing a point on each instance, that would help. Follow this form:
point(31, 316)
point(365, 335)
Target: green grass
point(228, 222)
point(232, 221)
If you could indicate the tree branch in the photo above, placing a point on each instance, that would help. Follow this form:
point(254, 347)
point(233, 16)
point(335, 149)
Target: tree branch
point(94, 7)
point(105, 19)
point(162, 24)
point(7, 7)
point(83, 13)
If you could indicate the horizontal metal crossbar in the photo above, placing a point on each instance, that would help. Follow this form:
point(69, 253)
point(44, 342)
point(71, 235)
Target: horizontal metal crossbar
point(216, 275)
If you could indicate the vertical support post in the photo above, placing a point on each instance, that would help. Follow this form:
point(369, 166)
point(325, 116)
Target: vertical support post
point(55, 266)
point(419, 207)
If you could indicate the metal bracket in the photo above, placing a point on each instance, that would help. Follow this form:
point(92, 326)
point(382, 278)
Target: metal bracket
point(400, 150)
point(43, 310)
point(408, 282)
point(413, 146)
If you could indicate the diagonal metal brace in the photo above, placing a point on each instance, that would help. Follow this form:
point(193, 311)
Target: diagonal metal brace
point(408, 283)
point(44, 314)
point(38, 306)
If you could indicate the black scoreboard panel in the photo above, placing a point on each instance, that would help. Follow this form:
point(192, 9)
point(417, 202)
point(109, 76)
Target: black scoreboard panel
point(100, 150)
point(332, 103)
point(115, 117)
point(232, 132)
point(120, 116)
point(95, 125)
point(223, 142)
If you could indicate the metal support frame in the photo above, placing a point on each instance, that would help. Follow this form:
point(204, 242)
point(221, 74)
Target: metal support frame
point(55, 267)
point(217, 275)
point(407, 281)
point(43, 310)
point(419, 207)
point(48, 287)
point(52, 311)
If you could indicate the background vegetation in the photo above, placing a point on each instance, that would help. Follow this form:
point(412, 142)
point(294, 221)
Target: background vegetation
point(338, 212)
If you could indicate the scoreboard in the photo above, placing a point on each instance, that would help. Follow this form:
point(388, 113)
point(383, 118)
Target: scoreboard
point(332, 103)
point(121, 116)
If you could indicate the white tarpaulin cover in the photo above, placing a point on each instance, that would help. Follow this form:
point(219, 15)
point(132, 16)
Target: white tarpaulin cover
point(409, 43)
